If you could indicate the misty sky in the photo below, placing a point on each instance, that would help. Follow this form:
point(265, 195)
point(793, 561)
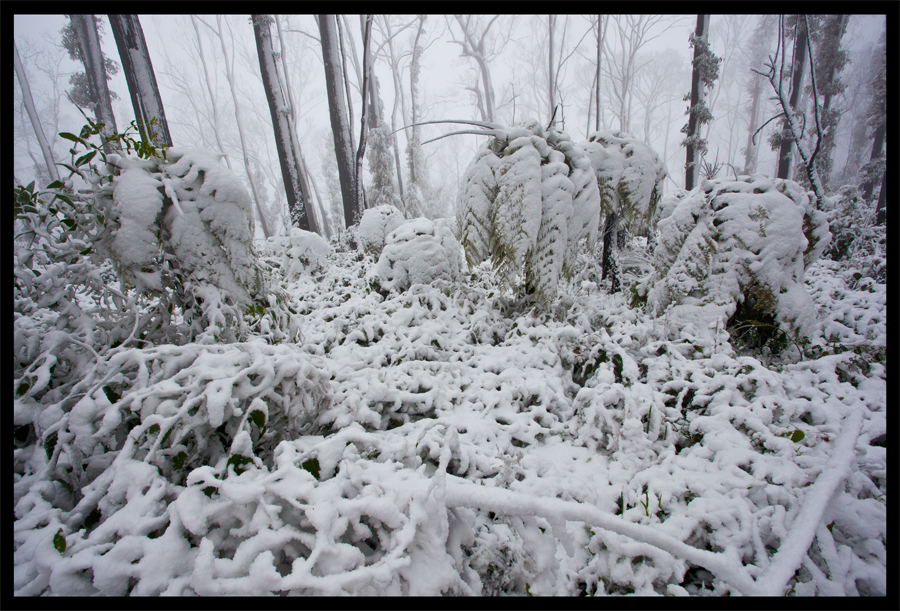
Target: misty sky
point(443, 95)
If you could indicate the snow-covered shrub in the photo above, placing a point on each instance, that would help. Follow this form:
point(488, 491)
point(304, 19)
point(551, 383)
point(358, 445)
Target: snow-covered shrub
point(855, 236)
point(419, 251)
point(738, 246)
point(630, 177)
point(374, 226)
point(305, 252)
point(529, 197)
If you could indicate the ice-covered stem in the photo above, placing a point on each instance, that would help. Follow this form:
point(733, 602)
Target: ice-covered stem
point(796, 545)
point(462, 493)
point(775, 78)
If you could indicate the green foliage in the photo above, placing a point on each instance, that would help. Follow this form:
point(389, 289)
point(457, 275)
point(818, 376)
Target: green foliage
point(312, 466)
point(59, 541)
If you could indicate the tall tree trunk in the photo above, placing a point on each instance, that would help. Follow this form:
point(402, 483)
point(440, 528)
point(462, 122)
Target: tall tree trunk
point(752, 150)
point(551, 80)
point(881, 212)
point(288, 155)
point(35, 121)
point(414, 146)
point(692, 162)
point(315, 207)
point(340, 125)
point(141, 79)
point(85, 29)
point(877, 145)
point(600, 33)
point(361, 151)
point(608, 262)
point(785, 154)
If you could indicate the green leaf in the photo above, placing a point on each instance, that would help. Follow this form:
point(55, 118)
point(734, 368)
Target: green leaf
point(312, 465)
point(258, 418)
point(178, 460)
point(85, 158)
point(70, 223)
point(59, 541)
point(30, 187)
point(239, 462)
point(153, 429)
point(72, 137)
point(65, 198)
point(112, 395)
point(797, 436)
point(50, 444)
point(208, 491)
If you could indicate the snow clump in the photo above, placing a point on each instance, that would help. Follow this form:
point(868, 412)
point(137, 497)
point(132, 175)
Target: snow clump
point(305, 252)
point(374, 226)
point(419, 251)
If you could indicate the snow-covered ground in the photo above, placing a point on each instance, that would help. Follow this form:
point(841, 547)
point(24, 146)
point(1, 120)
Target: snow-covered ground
point(453, 439)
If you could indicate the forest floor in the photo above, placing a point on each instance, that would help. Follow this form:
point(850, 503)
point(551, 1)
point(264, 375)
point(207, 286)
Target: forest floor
point(465, 441)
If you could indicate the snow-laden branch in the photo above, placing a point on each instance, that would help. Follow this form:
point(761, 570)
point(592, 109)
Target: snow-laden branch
point(794, 547)
point(772, 582)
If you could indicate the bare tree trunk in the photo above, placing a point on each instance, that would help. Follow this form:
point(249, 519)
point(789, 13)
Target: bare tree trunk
point(600, 34)
point(282, 122)
point(85, 29)
point(361, 151)
point(608, 262)
point(340, 126)
point(346, 73)
point(877, 145)
point(752, 150)
point(692, 162)
point(35, 121)
point(551, 81)
point(212, 96)
point(880, 217)
point(785, 154)
point(141, 79)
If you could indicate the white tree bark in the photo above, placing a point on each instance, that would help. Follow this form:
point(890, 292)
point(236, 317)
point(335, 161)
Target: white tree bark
point(86, 30)
point(35, 121)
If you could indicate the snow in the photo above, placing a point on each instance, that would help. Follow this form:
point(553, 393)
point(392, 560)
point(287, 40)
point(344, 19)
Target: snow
point(419, 251)
point(374, 226)
point(431, 432)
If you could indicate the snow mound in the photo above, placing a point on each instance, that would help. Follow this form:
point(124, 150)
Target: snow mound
point(732, 244)
point(630, 177)
point(305, 252)
point(418, 251)
point(374, 226)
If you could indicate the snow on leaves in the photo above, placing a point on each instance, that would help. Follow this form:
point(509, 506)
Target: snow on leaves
point(528, 198)
point(728, 241)
point(630, 176)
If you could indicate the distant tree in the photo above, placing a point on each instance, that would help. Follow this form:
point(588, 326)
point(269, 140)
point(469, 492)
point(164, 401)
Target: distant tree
point(138, 69)
point(705, 73)
point(475, 42)
point(876, 120)
point(827, 32)
point(633, 33)
point(794, 27)
point(792, 118)
point(90, 89)
point(282, 121)
point(758, 51)
point(229, 74)
point(35, 120)
point(81, 92)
